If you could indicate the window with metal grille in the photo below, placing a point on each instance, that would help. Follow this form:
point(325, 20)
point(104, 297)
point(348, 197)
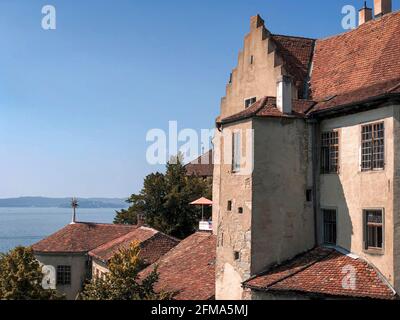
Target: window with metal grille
point(249, 102)
point(373, 146)
point(64, 275)
point(236, 152)
point(373, 229)
point(330, 226)
point(330, 152)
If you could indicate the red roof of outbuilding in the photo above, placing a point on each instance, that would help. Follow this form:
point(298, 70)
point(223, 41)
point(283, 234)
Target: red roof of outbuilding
point(153, 245)
point(81, 237)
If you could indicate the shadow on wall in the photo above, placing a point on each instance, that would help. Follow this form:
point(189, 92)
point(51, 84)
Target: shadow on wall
point(333, 198)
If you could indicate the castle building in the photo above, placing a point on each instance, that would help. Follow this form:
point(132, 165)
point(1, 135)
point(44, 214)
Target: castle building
point(306, 186)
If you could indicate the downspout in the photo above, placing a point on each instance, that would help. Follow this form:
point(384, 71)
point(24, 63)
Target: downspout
point(314, 151)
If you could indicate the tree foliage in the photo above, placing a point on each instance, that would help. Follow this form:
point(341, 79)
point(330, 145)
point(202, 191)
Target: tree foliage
point(122, 282)
point(165, 199)
point(21, 277)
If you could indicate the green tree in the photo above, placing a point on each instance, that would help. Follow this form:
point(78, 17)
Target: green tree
point(21, 277)
point(122, 282)
point(165, 199)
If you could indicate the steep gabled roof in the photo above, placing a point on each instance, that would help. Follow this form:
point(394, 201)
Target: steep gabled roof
point(361, 58)
point(322, 271)
point(153, 245)
point(188, 269)
point(81, 237)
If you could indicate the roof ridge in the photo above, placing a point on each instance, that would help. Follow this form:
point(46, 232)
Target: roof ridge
point(289, 36)
point(376, 20)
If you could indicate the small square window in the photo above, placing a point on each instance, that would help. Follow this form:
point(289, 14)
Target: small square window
point(236, 255)
point(229, 207)
point(240, 210)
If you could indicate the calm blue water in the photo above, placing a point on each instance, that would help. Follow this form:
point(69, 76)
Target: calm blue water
point(25, 226)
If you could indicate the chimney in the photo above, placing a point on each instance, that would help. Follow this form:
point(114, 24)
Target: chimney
point(284, 94)
point(364, 15)
point(256, 22)
point(382, 7)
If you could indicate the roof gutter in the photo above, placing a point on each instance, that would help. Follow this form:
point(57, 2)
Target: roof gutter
point(373, 102)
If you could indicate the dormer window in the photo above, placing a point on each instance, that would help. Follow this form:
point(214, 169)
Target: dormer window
point(249, 102)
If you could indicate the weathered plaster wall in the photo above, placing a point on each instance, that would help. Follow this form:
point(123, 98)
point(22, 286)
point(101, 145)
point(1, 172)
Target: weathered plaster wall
point(282, 219)
point(351, 191)
point(233, 228)
point(396, 194)
point(78, 265)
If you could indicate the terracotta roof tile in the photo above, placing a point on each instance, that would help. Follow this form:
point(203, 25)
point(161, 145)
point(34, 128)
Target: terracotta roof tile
point(297, 53)
point(378, 90)
point(81, 237)
point(321, 271)
point(189, 268)
point(153, 245)
point(266, 107)
point(357, 59)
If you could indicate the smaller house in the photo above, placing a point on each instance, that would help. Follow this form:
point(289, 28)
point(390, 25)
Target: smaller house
point(73, 249)
point(153, 245)
point(188, 269)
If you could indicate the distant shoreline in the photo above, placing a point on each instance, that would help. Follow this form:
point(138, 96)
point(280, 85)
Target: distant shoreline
point(62, 203)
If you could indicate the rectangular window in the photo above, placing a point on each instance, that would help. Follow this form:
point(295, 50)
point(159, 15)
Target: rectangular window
point(330, 226)
point(330, 152)
point(229, 206)
point(373, 147)
point(64, 275)
point(236, 152)
point(250, 102)
point(373, 229)
point(309, 195)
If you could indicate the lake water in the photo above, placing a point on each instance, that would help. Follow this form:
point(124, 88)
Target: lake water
point(26, 226)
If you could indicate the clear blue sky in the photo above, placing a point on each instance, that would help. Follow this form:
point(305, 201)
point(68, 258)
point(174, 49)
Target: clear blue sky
point(76, 103)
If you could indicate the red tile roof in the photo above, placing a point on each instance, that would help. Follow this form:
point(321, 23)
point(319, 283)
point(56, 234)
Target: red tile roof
point(266, 107)
point(376, 91)
point(153, 245)
point(189, 268)
point(81, 237)
point(361, 58)
point(321, 271)
point(202, 166)
point(296, 53)
point(347, 69)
